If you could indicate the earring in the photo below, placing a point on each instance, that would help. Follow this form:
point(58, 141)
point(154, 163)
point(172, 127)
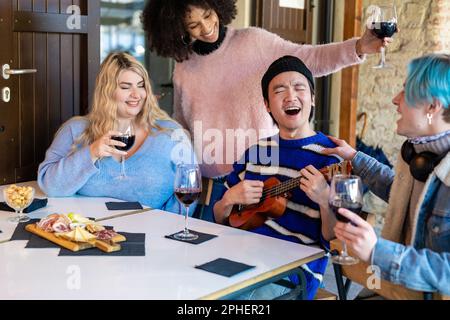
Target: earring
point(430, 117)
point(186, 40)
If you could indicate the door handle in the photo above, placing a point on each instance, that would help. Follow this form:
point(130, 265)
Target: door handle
point(6, 71)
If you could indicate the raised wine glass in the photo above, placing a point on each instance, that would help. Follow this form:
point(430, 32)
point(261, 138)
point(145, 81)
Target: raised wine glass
point(383, 23)
point(346, 192)
point(128, 137)
point(188, 187)
point(18, 198)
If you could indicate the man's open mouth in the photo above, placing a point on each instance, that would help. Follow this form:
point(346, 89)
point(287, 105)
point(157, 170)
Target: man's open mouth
point(292, 111)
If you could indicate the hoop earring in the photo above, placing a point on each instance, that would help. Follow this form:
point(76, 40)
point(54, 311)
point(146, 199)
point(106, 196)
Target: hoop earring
point(186, 40)
point(429, 117)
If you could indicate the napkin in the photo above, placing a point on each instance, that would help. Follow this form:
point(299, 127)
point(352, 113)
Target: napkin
point(202, 237)
point(35, 205)
point(123, 205)
point(224, 267)
point(20, 233)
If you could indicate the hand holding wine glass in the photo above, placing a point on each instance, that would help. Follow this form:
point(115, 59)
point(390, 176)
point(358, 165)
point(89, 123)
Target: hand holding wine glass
point(18, 198)
point(383, 23)
point(127, 137)
point(346, 192)
point(187, 187)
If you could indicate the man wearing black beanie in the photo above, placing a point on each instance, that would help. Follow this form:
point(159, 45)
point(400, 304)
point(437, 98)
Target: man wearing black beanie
point(286, 64)
point(288, 90)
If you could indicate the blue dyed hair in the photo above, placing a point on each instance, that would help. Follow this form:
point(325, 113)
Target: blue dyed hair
point(429, 80)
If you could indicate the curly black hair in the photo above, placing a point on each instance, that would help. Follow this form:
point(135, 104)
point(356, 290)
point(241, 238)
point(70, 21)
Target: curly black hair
point(163, 20)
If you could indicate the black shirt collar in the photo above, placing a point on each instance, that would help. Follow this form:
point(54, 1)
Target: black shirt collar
point(205, 48)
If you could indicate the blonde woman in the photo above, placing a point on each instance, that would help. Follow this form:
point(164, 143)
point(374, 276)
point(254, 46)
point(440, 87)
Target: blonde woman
point(83, 158)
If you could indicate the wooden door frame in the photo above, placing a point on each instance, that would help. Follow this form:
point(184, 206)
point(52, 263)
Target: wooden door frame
point(257, 17)
point(349, 84)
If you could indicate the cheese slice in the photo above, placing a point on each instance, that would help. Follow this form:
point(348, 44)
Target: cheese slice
point(78, 235)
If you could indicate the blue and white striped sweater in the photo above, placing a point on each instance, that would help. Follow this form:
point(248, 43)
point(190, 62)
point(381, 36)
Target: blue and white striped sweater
point(301, 221)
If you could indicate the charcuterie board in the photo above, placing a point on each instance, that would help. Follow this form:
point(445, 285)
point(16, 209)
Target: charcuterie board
point(77, 246)
point(76, 238)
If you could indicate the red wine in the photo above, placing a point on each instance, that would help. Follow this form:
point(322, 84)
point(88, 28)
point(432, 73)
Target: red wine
point(187, 196)
point(128, 140)
point(384, 29)
point(354, 207)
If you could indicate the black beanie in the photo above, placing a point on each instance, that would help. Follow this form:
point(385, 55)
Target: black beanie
point(285, 64)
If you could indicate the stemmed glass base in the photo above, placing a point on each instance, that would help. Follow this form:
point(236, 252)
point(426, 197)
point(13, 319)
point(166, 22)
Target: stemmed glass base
point(20, 217)
point(344, 260)
point(122, 175)
point(185, 235)
point(382, 64)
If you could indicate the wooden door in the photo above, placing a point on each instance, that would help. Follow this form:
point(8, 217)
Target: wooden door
point(60, 39)
point(291, 24)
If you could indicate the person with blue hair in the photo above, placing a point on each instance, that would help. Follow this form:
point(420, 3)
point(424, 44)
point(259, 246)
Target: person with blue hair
point(414, 247)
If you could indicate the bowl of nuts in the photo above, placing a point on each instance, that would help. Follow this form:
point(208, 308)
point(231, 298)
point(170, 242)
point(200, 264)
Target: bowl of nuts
point(18, 198)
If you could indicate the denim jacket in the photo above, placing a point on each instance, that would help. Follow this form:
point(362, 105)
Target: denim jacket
point(425, 264)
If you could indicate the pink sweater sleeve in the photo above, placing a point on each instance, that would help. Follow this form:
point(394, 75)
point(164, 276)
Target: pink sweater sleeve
point(320, 59)
point(177, 102)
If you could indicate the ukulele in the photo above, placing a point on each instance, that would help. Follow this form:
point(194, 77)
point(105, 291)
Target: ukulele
point(274, 199)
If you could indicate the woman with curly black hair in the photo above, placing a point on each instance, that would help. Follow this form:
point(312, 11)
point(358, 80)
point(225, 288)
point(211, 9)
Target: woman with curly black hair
point(217, 94)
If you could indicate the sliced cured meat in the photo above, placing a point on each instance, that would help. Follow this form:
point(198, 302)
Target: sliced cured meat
point(105, 234)
point(60, 226)
point(47, 222)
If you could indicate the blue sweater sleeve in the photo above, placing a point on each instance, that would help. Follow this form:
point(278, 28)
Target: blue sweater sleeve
point(237, 175)
point(422, 270)
point(376, 175)
point(63, 173)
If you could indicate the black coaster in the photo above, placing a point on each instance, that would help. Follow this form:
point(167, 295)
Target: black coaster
point(35, 205)
point(123, 205)
point(202, 237)
point(132, 247)
point(224, 267)
point(20, 233)
point(37, 242)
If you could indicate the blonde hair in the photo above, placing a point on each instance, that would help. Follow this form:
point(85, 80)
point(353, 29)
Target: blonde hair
point(103, 112)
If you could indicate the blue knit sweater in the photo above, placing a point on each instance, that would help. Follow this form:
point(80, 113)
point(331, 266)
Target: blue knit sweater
point(150, 171)
point(301, 221)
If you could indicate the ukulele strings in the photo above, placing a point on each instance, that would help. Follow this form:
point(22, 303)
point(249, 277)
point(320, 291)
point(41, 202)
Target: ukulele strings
point(292, 183)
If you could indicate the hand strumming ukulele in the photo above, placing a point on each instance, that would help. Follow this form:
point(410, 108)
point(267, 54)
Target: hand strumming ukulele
point(274, 199)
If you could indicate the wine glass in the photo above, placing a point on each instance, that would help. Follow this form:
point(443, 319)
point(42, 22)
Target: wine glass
point(188, 187)
point(18, 198)
point(346, 192)
point(383, 23)
point(128, 137)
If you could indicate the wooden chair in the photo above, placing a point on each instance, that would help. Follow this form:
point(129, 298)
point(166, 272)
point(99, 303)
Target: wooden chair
point(358, 273)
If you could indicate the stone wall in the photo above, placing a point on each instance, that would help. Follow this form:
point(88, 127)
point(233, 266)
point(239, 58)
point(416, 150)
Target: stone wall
point(424, 28)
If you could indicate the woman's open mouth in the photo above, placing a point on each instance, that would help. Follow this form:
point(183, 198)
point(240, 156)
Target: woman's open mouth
point(211, 35)
point(133, 103)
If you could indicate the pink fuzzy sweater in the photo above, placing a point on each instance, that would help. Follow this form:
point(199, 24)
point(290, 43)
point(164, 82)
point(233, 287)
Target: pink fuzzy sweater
point(220, 93)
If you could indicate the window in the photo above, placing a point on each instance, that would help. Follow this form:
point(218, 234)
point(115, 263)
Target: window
point(121, 28)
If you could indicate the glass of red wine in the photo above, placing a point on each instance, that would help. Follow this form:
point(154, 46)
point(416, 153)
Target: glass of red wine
point(188, 187)
point(128, 137)
point(383, 23)
point(346, 192)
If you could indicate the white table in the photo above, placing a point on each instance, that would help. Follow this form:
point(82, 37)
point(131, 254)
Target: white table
point(166, 272)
